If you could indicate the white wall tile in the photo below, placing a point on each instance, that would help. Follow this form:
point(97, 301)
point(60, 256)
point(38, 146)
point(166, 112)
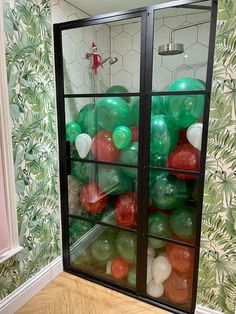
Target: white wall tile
point(123, 43)
point(131, 61)
point(197, 56)
point(69, 49)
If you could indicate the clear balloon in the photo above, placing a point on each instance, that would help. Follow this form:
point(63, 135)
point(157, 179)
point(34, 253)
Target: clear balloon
point(126, 243)
point(122, 136)
point(158, 105)
point(103, 248)
point(72, 131)
point(161, 269)
point(119, 89)
point(92, 198)
point(112, 112)
point(119, 268)
point(158, 224)
point(103, 147)
point(82, 171)
point(126, 210)
point(135, 110)
point(169, 192)
point(184, 157)
point(83, 144)
point(180, 257)
point(178, 287)
point(149, 268)
point(84, 258)
point(194, 135)
point(185, 109)
point(113, 181)
point(87, 119)
point(183, 222)
point(129, 155)
point(155, 290)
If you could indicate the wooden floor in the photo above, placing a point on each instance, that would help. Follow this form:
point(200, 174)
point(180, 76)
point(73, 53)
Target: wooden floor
point(68, 294)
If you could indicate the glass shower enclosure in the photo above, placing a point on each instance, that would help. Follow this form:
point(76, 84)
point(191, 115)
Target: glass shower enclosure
point(133, 96)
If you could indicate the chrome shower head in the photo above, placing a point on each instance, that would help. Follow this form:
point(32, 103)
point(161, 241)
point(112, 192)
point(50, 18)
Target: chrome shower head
point(170, 49)
point(113, 60)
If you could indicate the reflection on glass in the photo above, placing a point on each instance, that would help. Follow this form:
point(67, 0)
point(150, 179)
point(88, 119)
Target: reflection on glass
point(105, 252)
point(103, 193)
point(104, 130)
point(170, 273)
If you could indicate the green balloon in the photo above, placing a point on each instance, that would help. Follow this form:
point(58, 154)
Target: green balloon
point(82, 171)
point(135, 110)
point(126, 243)
point(112, 112)
point(169, 192)
point(122, 136)
point(83, 259)
point(103, 249)
point(183, 222)
point(113, 181)
point(158, 224)
point(129, 155)
point(158, 105)
point(185, 109)
point(72, 131)
point(87, 119)
point(119, 89)
point(77, 228)
point(132, 277)
point(164, 138)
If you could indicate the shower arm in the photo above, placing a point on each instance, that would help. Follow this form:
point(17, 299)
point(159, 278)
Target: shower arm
point(185, 26)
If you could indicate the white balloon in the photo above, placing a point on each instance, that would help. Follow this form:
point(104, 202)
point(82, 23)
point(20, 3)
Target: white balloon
point(83, 143)
point(149, 268)
point(108, 268)
point(161, 269)
point(151, 252)
point(154, 290)
point(194, 135)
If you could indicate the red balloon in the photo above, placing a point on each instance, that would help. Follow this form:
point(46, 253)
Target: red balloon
point(180, 257)
point(135, 134)
point(183, 137)
point(184, 157)
point(119, 268)
point(178, 287)
point(92, 198)
point(103, 147)
point(126, 210)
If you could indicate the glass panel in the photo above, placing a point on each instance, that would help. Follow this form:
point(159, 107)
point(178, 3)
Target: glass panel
point(104, 251)
point(103, 129)
point(176, 131)
point(102, 58)
point(170, 274)
point(173, 207)
point(103, 193)
point(181, 41)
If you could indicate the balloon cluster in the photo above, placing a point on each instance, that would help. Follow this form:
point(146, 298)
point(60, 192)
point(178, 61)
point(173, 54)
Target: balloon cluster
point(108, 131)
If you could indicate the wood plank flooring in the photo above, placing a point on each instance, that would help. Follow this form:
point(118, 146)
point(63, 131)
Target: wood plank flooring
point(68, 294)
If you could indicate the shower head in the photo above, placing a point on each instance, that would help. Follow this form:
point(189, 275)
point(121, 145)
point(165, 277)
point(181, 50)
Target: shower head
point(170, 49)
point(113, 60)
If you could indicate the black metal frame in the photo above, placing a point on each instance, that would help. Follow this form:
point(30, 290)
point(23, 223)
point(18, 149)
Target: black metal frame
point(143, 167)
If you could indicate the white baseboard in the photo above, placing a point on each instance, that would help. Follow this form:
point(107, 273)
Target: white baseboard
point(205, 310)
point(20, 296)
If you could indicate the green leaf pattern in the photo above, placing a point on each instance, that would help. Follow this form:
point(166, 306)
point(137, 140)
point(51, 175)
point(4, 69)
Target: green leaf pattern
point(217, 270)
point(32, 107)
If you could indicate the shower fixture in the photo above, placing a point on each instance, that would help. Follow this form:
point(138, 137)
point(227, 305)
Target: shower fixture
point(112, 60)
point(172, 48)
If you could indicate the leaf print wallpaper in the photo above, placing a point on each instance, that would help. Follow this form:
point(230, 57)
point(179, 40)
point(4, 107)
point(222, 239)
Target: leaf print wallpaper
point(30, 78)
point(217, 271)
point(31, 95)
